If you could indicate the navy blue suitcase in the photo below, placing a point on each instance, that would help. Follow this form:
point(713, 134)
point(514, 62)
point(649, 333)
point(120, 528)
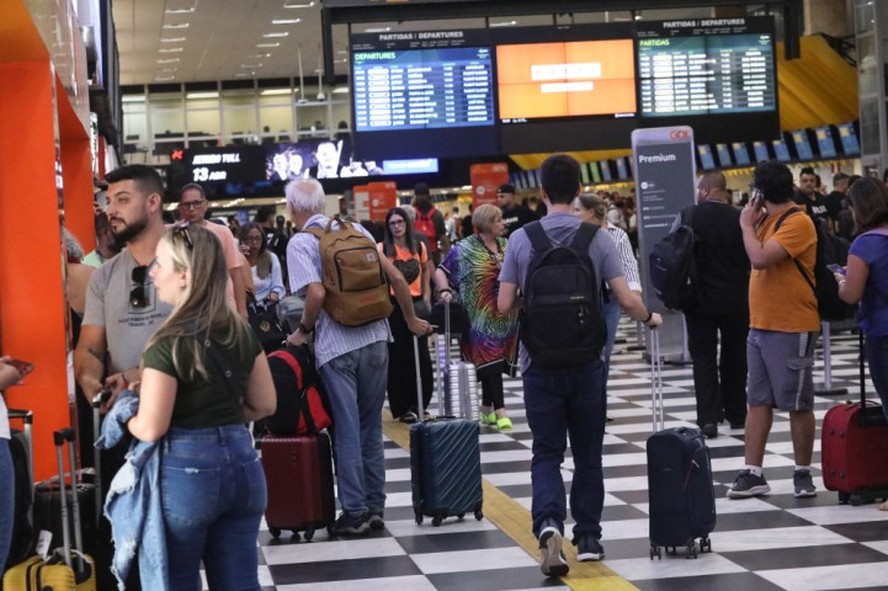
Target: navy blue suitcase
point(445, 465)
point(682, 499)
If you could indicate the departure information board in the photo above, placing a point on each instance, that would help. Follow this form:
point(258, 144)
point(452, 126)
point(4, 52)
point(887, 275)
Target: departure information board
point(699, 75)
point(422, 88)
point(706, 67)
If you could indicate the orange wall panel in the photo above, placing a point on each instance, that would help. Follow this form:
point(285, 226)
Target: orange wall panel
point(32, 303)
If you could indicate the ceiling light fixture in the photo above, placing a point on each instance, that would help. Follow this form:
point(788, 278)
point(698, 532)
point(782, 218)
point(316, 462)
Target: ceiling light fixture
point(259, 56)
point(133, 98)
point(170, 50)
point(299, 4)
point(341, 90)
point(275, 35)
point(172, 39)
point(274, 91)
point(504, 24)
point(202, 95)
point(259, 65)
point(268, 45)
point(286, 21)
point(177, 26)
point(164, 78)
point(179, 10)
point(169, 60)
point(378, 30)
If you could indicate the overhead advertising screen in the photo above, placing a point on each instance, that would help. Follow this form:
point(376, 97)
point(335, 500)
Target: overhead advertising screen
point(741, 154)
point(216, 166)
point(707, 160)
point(423, 94)
point(705, 67)
point(802, 145)
point(825, 143)
point(761, 151)
point(566, 87)
point(571, 79)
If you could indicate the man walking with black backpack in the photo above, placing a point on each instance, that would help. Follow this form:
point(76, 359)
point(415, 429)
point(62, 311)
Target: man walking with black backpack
point(562, 336)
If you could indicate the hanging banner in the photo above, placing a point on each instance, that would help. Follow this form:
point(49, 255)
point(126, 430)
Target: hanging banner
point(486, 179)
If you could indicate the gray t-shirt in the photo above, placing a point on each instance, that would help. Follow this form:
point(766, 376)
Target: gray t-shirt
point(127, 329)
point(560, 227)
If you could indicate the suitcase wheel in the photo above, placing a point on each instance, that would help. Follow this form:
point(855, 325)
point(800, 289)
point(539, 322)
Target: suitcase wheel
point(275, 532)
point(479, 515)
point(437, 520)
point(706, 545)
point(843, 498)
point(692, 550)
point(855, 500)
point(418, 516)
point(460, 516)
point(330, 530)
point(655, 551)
point(308, 535)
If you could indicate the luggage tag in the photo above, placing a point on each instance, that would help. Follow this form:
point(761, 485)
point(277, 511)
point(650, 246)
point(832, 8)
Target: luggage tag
point(44, 541)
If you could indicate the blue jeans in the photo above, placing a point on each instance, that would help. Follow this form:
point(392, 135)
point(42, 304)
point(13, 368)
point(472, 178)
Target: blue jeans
point(877, 359)
point(7, 501)
point(559, 403)
point(611, 311)
point(214, 496)
point(356, 383)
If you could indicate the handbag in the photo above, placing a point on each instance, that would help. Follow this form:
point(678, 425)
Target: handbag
point(459, 318)
point(264, 321)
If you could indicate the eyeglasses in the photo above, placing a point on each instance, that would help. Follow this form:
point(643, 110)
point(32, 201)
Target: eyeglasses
point(254, 239)
point(182, 230)
point(192, 204)
point(394, 223)
point(139, 294)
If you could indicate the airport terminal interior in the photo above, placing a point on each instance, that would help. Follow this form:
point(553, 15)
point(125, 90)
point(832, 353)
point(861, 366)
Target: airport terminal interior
point(373, 97)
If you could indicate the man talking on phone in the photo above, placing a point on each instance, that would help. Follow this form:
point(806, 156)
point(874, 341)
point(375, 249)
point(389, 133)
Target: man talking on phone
point(783, 326)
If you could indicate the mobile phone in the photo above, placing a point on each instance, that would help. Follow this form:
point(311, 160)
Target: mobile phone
point(23, 367)
point(837, 269)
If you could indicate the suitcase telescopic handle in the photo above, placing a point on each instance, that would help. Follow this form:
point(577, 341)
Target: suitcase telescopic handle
point(97, 403)
point(419, 407)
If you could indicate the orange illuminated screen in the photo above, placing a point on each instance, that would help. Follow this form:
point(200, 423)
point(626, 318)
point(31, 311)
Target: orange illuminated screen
point(566, 79)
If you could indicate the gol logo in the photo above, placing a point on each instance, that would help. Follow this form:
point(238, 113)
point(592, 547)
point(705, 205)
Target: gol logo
point(679, 134)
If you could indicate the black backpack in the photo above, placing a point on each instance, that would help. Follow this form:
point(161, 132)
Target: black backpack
point(831, 250)
point(673, 266)
point(561, 321)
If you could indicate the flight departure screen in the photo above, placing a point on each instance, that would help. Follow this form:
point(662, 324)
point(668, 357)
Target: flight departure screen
point(422, 88)
point(706, 74)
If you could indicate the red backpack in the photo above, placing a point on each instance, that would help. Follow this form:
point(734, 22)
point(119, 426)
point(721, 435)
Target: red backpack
point(302, 405)
point(425, 226)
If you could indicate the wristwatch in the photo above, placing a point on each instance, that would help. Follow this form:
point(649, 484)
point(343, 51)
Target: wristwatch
point(304, 329)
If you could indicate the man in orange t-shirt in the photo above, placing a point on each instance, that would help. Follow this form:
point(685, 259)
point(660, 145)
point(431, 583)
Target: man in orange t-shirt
point(783, 323)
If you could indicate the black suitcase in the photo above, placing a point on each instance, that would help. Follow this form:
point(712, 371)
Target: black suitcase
point(445, 466)
point(680, 491)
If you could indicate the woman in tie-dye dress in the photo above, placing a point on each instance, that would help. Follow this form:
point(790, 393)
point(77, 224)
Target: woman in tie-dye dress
point(471, 269)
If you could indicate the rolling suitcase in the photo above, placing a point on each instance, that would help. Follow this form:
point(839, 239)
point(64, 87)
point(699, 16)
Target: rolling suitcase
point(445, 465)
point(65, 570)
point(854, 444)
point(457, 380)
point(299, 474)
point(680, 491)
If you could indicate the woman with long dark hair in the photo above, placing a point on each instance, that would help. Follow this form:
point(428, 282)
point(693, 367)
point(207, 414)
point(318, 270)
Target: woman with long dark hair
point(268, 283)
point(204, 376)
point(410, 257)
point(866, 277)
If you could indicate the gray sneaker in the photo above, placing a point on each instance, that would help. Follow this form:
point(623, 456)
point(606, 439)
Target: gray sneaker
point(748, 485)
point(552, 560)
point(804, 484)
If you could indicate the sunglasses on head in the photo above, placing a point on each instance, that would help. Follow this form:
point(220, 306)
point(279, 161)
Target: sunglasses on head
point(182, 230)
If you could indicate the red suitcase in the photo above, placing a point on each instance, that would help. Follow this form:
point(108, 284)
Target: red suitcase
point(855, 448)
point(299, 474)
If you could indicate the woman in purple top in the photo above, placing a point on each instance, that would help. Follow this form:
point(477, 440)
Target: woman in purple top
point(866, 277)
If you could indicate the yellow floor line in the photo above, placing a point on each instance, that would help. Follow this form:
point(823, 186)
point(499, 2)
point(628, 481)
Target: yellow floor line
point(515, 521)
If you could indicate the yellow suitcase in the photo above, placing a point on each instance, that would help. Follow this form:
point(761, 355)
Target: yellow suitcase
point(66, 570)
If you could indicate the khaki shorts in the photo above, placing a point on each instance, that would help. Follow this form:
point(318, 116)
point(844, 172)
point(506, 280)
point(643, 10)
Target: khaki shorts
point(780, 369)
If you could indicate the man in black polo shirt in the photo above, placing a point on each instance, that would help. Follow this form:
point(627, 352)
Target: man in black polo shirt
point(515, 215)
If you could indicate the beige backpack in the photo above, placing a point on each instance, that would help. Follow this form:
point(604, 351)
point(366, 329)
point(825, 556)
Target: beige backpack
point(353, 277)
